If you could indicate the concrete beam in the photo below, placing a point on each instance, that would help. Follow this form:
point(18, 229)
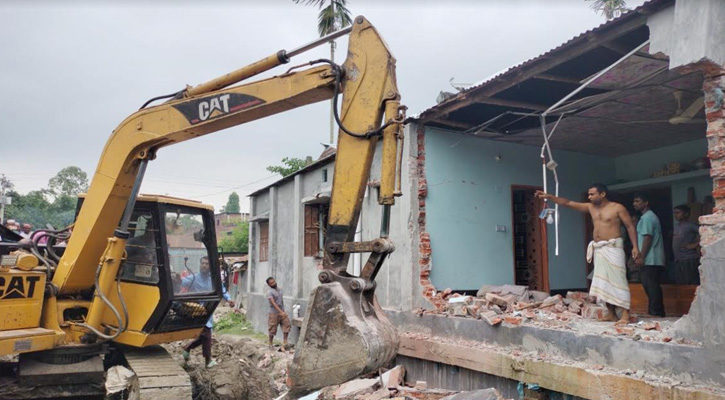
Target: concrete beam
point(576, 380)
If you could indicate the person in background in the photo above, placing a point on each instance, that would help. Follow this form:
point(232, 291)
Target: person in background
point(202, 282)
point(652, 254)
point(277, 316)
point(26, 231)
point(685, 242)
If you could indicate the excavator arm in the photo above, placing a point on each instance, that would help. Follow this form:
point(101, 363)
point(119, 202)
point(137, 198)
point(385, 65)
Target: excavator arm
point(340, 344)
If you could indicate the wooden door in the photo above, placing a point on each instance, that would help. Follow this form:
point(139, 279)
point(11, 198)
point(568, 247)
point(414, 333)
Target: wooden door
point(531, 261)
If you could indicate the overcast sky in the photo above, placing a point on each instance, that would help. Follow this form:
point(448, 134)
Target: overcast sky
point(70, 72)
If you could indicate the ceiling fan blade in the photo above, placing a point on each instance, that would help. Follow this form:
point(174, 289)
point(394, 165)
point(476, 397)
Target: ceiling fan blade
point(694, 108)
point(683, 120)
point(642, 122)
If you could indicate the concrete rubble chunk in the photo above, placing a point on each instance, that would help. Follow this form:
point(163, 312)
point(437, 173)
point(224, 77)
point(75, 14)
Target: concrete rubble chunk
point(349, 390)
point(429, 394)
point(421, 385)
point(381, 394)
point(490, 316)
point(536, 295)
point(485, 394)
point(394, 378)
point(553, 301)
point(496, 299)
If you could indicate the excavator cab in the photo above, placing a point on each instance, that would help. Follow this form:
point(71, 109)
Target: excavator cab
point(170, 278)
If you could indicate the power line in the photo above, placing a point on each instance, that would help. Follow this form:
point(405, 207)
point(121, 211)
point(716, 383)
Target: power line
point(238, 187)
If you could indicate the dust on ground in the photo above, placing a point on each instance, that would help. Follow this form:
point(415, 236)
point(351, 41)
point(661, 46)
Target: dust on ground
point(247, 368)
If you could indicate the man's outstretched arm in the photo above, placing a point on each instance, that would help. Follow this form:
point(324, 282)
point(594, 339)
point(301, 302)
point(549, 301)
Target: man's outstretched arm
point(581, 207)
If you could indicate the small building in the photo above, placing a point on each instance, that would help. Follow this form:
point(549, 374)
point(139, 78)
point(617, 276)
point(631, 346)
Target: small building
point(225, 222)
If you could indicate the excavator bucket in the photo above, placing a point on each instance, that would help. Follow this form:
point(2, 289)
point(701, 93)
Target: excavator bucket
point(345, 334)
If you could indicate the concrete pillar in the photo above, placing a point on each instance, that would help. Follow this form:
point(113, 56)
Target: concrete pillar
point(273, 231)
point(251, 250)
point(298, 246)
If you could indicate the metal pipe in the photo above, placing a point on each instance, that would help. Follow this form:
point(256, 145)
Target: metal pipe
point(592, 79)
point(134, 193)
point(325, 39)
point(265, 64)
point(385, 221)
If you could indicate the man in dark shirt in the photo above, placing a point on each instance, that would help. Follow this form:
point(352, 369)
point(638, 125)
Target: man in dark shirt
point(277, 315)
point(685, 241)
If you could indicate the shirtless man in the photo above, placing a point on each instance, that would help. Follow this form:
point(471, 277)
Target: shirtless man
point(606, 250)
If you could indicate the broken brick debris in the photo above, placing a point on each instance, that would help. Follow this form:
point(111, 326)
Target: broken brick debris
point(357, 387)
point(516, 305)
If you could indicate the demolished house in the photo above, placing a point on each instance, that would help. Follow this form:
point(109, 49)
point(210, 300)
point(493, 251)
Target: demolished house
point(484, 292)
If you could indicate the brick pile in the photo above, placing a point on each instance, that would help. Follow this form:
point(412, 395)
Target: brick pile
point(516, 304)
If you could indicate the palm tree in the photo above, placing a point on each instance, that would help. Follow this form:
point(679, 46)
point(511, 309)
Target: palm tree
point(333, 16)
point(610, 8)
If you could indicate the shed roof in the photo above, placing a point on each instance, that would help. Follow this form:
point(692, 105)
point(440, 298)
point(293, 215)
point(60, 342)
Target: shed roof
point(631, 104)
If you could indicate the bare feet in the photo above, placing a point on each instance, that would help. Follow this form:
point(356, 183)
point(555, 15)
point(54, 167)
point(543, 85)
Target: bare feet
point(611, 317)
point(625, 318)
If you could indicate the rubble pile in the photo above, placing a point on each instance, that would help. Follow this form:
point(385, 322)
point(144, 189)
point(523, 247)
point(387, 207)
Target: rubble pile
point(391, 385)
point(517, 305)
point(246, 369)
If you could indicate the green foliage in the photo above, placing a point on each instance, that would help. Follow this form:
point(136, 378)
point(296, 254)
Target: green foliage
point(232, 203)
point(291, 165)
point(55, 205)
point(233, 321)
point(332, 17)
point(609, 8)
point(238, 241)
point(70, 181)
point(5, 184)
point(34, 208)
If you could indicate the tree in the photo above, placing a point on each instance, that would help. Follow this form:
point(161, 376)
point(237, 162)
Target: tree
point(70, 181)
point(55, 205)
point(232, 204)
point(609, 8)
point(333, 16)
point(291, 165)
point(238, 241)
point(5, 187)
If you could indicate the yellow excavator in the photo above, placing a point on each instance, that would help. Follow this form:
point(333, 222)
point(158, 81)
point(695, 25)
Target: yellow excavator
point(110, 292)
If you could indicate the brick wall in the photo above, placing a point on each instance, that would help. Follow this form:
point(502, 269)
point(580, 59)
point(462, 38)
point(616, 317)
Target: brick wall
point(704, 322)
point(424, 248)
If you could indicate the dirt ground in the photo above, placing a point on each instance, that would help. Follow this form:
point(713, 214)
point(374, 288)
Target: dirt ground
point(247, 369)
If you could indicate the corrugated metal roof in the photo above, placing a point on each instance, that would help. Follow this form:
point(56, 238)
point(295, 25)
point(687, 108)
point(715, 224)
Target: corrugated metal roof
point(646, 8)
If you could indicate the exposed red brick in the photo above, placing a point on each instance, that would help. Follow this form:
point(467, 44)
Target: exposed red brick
point(577, 295)
point(512, 320)
point(624, 330)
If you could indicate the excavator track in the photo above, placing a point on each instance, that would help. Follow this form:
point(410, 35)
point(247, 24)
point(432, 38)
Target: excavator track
point(160, 376)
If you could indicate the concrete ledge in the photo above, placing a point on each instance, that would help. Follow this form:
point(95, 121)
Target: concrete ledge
point(571, 379)
point(689, 364)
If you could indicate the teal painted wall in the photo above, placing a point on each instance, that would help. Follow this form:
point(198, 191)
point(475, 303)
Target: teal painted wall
point(633, 167)
point(469, 193)
point(642, 165)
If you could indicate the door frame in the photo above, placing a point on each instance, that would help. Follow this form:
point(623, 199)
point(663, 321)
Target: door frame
point(544, 242)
